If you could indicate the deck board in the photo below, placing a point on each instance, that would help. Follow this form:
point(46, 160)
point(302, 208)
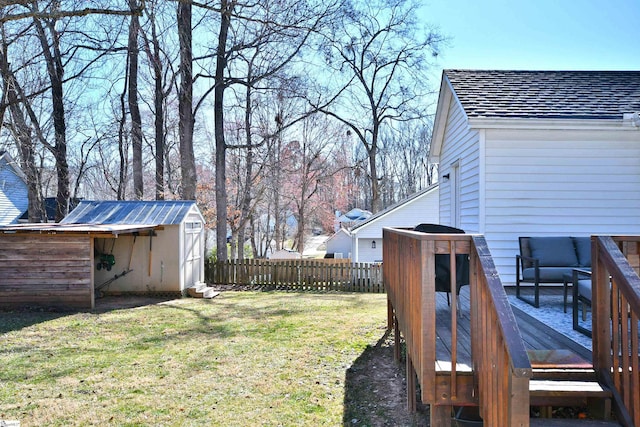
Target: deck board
point(535, 334)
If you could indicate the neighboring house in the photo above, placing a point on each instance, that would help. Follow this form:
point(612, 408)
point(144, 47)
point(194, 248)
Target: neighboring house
point(538, 153)
point(351, 218)
point(339, 245)
point(14, 197)
point(366, 237)
point(50, 207)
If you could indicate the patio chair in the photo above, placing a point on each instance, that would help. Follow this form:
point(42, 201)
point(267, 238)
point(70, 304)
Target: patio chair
point(443, 273)
point(581, 280)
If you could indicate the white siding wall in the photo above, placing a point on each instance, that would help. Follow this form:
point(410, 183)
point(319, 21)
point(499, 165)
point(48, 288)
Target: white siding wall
point(558, 183)
point(340, 243)
point(13, 194)
point(423, 209)
point(460, 145)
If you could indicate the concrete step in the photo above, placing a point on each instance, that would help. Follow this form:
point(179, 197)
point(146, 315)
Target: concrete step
point(200, 290)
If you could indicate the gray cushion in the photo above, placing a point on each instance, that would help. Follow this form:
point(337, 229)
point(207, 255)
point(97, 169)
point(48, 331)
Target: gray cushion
point(554, 251)
point(584, 288)
point(583, 248)
point(547, 274)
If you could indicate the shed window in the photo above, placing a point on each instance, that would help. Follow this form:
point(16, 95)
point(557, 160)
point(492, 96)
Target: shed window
point(193, 226)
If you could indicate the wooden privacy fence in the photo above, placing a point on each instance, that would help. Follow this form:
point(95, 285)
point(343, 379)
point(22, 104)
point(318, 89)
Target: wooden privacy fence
point(298, 274)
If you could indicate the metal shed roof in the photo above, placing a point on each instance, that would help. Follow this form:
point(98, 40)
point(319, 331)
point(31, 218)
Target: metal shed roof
point(163, 212)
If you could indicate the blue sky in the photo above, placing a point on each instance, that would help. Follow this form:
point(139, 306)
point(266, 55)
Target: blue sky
point(536, 34)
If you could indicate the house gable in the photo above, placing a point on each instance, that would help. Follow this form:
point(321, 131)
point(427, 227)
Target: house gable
point(14, 199)
point(404, 213)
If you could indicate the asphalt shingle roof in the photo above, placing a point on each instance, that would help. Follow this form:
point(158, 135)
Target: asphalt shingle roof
point(547, 94)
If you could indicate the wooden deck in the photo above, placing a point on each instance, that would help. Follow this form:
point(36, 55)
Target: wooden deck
point(536, 335)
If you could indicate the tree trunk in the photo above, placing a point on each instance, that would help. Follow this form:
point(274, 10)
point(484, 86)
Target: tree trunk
point(221, 147)
point(55, 69)
point(376, 202)
point(159, 119)
point(134, 109)
point(185, 103)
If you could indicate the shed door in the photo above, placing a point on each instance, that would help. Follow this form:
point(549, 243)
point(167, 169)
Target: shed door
point(193, 253)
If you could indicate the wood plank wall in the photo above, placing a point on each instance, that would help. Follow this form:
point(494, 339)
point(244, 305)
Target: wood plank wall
point(46, 270)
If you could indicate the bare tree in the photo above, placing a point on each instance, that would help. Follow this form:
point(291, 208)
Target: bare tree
point(278, 31)
point(377, 52)
point(162, 86)
point(49, 26)
point(312, 169)
point(22, 133)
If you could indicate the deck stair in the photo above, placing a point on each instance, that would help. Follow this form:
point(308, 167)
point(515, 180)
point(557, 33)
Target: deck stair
point(562, 378)
point(201, 290)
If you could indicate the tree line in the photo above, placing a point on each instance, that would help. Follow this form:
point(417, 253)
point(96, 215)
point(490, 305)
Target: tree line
point(260, 111)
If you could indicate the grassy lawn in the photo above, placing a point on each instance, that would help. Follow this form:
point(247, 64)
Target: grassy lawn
point(243, 358)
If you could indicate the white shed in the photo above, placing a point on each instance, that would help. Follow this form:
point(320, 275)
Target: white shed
point(164, 252)
point(538, 153)
point(366, 237)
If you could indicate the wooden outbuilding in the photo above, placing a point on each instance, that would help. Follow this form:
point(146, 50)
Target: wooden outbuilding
point(103, 247)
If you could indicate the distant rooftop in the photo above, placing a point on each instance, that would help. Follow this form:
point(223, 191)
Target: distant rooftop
point(546, 94)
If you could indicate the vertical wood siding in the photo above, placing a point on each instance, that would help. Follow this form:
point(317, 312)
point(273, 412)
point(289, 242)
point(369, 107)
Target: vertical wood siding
point(46, 270)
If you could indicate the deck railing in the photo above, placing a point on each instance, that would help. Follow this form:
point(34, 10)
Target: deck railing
point(502, 368)
point(298, 274)
point(500, 359)
point(616, 307)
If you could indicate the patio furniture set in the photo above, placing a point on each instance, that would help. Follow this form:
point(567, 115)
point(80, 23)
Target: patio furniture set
point(556, 259)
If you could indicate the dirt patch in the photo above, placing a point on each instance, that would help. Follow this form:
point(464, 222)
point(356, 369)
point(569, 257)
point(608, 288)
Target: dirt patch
point(376, 390)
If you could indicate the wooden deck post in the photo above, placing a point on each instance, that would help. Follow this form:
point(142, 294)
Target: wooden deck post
point(411, 385)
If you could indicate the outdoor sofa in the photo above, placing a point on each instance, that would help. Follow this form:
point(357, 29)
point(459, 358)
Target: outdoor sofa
point(550, 259)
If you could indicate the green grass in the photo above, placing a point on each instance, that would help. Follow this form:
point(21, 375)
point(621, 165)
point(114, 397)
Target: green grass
point(246, 358)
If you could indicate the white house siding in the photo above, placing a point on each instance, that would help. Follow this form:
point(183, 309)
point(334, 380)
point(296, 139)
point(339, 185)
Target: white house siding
point(460, 145)
point(422, 209)
point(366, 253)
point(340, 242)
point(554, 182)
point(13, 194)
